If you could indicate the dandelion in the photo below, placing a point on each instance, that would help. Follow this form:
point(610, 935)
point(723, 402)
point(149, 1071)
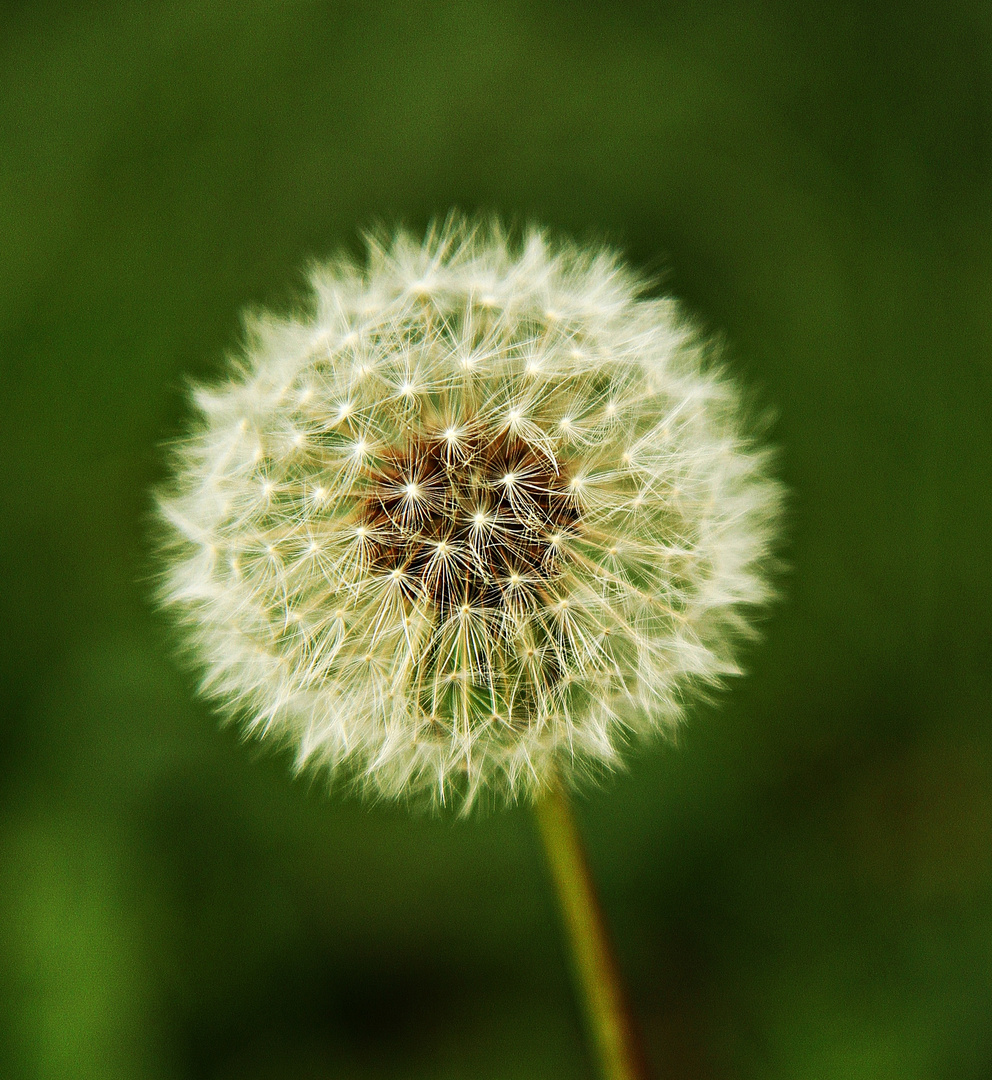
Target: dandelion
point(482, 516)
point(479, 518)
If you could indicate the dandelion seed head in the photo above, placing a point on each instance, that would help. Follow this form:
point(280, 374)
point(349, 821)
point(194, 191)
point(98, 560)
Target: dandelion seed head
point(482, 515)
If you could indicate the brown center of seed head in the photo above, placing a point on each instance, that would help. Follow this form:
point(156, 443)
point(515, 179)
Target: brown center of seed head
point(470, 524)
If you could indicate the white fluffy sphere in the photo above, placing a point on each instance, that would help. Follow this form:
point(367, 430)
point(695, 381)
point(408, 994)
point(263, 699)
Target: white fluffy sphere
point(476, 518)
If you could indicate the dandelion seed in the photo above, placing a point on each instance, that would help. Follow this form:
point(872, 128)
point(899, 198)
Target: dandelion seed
point(520, 552)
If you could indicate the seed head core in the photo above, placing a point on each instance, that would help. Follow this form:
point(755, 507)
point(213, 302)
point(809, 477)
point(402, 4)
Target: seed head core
point(479, 530)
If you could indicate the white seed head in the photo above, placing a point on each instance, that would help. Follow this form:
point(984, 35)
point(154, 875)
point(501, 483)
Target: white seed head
point(445, 538)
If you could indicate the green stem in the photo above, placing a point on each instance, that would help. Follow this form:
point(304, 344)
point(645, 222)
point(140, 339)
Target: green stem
point(608, 1011)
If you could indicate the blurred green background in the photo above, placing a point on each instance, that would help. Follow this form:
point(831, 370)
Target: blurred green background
point(803, 886)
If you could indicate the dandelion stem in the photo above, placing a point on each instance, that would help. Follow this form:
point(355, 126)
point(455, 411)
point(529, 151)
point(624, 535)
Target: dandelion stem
point(608, 1011)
